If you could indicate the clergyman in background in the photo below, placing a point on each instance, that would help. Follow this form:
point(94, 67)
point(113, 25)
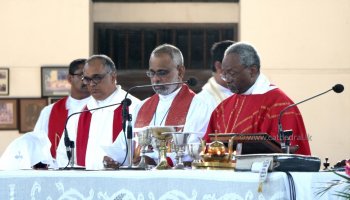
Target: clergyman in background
point(216, 90)
point(40, 146)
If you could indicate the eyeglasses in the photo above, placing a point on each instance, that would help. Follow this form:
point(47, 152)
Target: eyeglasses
point(160, 73)
point(96, 79)
point(231, 74)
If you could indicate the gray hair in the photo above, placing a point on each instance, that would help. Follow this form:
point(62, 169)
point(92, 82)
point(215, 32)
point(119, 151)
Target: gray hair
point(246, 52)
point(174, 53)
point(106, 61)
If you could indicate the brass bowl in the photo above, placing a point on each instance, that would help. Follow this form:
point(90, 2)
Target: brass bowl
point(214, 165)
point(226, 157)
point(216, 148)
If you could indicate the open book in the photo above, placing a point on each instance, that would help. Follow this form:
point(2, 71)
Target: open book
point(252, 143)
point(258, 147)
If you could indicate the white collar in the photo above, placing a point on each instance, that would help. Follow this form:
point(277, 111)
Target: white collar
point(261, 86)
point(71, 102)
point(116, 97)
point(221, 88)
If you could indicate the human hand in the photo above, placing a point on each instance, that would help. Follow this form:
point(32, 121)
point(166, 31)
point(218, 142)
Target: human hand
point(148, 160)
point(293, 149)
point(109, 163)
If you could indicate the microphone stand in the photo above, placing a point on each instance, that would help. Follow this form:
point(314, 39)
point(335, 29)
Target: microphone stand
point(130, 144)
point(289, 162)
point(127, 128)
point(284, 135)
point(70, 145)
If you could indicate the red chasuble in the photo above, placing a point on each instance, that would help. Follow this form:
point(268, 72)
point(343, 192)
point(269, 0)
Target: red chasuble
point(259, 113)
point(177, 113)
point(84, 129)
point(57, 120)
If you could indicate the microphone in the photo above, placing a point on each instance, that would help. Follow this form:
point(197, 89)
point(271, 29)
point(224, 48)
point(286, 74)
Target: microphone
point(191, 82)
point(70, 144)
point(338, 88)
point(284, 135)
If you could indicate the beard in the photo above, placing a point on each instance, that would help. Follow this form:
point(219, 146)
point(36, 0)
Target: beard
point(165, 89)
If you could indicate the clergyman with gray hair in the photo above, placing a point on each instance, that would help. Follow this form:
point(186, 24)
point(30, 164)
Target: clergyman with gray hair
point(256, 103)
point(173, 104)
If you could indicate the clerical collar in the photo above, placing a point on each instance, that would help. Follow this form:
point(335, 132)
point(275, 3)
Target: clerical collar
point(110, 99)
point(261, 86)
point(72, 102)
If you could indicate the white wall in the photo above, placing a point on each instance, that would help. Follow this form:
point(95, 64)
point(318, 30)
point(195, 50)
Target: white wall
point(166, 12)
point(304, 48)
point(39, 32)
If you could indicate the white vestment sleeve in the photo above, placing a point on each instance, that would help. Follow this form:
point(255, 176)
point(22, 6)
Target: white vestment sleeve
point(197, 119)
point(26, 151)
point(42, 123)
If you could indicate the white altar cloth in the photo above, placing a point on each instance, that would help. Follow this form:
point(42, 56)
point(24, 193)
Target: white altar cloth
point(151, 185)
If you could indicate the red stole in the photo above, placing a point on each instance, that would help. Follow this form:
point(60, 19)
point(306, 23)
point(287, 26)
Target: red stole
point(84, 129)
point(177, 113)
point(259, 114)
point(57, 120)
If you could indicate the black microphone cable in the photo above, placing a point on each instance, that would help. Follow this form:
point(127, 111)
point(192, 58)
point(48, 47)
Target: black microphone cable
point(70, 144)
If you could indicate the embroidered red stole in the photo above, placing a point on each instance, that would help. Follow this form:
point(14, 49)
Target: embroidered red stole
point(259, 114)
point(84, 129)
point(57, 120)
point(177, 113)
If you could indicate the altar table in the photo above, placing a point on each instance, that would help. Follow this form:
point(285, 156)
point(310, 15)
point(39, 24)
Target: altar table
point(152, 185)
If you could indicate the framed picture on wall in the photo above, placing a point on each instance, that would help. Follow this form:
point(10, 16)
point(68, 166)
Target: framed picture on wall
point(4, 81)
point(8, 114)
point(54, 99)
point(29, 111)
point(54, 81)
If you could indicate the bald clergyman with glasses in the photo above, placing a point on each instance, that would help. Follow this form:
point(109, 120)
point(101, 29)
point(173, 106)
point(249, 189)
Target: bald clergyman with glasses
point(172, 104)
point(101, 129)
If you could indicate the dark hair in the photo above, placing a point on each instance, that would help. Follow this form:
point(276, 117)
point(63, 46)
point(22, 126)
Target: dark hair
point(74, 65)
point(246, 52)
point(106, 61)
point(217, 52)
